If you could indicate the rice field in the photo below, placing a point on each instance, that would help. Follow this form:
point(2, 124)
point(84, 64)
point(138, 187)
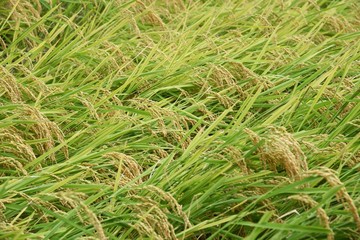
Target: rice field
point(179, 119)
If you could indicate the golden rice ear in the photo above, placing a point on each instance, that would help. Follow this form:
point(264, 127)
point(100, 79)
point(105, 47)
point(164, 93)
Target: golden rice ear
point(34, 85)
point(9, 85)
point(8, 162)
point(2, 43)
point(280, 149)
point(152, 213)
point(224, 79)
point(240, 71)
point(354, 159)
point(130, 169)
point(255, 139)
point(132, 21)
point(223, 99)
point(177, 5)
point(174, 131)
point(22, 87)
point(67, 198)
point(238, 158)
point(43, 128)
point(148, 15)
point(152, 220)
point(324, 219)
point(25, 13)
point(176, 207)
point(37, 201)
point(72, 200)
point(39, 128)
point(94, 221)
point(16, 144)
point(338, 24)
point(342, 195)
point(83, 99)
point(121, 60)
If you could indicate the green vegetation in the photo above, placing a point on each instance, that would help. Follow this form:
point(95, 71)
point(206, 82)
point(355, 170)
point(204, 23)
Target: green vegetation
point(171, 119)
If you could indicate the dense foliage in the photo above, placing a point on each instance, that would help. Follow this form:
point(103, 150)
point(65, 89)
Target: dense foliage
point(154, 119)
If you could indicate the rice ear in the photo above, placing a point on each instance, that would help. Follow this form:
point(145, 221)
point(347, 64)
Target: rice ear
point(16, 144)
point(324, 219)
point(94, 221)
point(44, 129)
point(10, 86)
point(342, 195)
point(280, 149)
point(129, 168)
